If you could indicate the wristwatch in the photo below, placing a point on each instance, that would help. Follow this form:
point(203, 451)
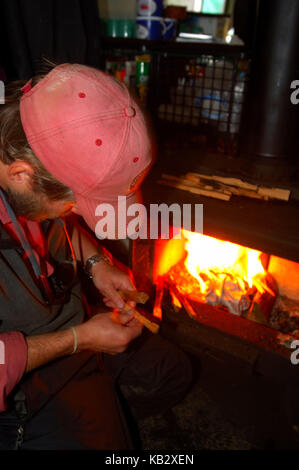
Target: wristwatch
point(94, 259)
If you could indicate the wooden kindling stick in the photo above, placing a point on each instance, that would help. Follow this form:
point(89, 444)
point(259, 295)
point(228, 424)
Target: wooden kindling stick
point(134, 295)
point(138, 297)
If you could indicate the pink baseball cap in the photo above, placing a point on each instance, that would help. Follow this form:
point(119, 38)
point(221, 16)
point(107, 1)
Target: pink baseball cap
point(90, 134)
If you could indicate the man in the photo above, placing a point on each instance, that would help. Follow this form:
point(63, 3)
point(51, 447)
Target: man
point(70, 140)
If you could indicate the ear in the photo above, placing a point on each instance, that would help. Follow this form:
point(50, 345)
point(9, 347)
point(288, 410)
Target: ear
point(20, 174)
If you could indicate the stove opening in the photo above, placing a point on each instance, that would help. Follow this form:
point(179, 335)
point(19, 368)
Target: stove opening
point(233, 288)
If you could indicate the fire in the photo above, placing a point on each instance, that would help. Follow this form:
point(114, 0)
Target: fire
point(209, 270)
point(209, 258)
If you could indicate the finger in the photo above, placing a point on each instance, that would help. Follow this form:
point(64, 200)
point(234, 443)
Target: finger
point(135, 323)
point(128, 307)
point(126, 283)
point(125, 317)
point(108, 301)
point(110, 304)
point(114, 298)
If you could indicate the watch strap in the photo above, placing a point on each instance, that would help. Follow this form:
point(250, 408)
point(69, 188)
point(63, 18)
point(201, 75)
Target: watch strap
point(95, 259)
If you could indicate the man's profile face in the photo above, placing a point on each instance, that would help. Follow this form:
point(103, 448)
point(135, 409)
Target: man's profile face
point(37, 207)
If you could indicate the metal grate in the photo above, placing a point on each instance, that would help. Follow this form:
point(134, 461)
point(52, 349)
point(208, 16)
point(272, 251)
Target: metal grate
point(204, 90)
point(201, 94)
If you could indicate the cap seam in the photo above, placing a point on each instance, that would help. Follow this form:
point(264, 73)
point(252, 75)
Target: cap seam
point(124, 139)
point(123, 143)
point(129, 125)
point(73, 124)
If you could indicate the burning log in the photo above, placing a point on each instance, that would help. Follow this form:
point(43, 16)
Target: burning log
point(285, 315)
point(183, 300)
point(263, 302)
point(157, 312)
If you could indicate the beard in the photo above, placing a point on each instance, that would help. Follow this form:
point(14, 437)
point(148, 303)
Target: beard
point(28, 205)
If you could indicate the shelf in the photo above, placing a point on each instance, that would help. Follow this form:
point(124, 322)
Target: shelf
point(160, 45)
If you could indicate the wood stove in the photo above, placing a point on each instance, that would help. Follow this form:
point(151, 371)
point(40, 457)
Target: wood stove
point(243, 362)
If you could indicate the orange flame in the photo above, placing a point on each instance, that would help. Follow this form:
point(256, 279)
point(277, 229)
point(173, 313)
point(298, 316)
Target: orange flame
point(209, 256)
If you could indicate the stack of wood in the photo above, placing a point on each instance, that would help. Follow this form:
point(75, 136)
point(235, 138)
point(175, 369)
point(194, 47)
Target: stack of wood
point(223, 188)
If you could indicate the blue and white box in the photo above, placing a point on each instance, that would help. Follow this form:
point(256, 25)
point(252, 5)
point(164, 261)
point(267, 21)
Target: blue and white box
point(150, 8)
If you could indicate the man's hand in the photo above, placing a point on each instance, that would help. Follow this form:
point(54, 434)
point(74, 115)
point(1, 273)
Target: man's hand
point(107, 280)
point(108, 332)
point(105, 332)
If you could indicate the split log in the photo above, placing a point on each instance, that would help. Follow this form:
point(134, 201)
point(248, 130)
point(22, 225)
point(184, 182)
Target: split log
point(195, 190)
point(246, 189)
point(223, 179)
point(214, 185)
point(274, 193)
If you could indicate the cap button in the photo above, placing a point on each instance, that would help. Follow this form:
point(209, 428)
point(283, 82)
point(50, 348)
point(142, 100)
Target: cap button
point(129, 111)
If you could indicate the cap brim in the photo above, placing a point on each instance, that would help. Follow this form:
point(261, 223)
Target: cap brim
point(109, 219)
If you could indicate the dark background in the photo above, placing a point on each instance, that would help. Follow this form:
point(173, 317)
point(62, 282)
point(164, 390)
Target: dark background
point(64, 31)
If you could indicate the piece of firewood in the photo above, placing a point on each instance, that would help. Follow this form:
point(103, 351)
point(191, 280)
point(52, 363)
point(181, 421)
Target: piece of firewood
point(183, 299)
point(228, 189)
point(193, 184)
point(247, 193)
point(275, 193)
point(157, 311)
point(134, 295)
point(196, 182)
point(223, 179)
point(263, 302)
point(194, 190)
point(151, 325)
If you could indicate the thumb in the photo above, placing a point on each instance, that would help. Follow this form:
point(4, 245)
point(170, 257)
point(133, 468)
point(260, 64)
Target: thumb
point(125, 317)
